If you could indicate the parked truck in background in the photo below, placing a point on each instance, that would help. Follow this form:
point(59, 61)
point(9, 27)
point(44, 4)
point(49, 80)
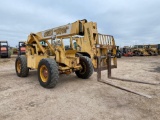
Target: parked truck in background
point(4, 49)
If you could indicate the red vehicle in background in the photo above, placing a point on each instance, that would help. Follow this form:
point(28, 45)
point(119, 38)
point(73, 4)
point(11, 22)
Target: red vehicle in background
point(21, 48)
point(127, 52)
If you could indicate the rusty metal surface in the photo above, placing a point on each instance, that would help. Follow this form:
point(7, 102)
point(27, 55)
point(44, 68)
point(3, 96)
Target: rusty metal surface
point(105, 68)
point(99, 68)
point(109, 65)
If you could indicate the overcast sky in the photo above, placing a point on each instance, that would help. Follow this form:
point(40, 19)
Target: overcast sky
point(129, 21)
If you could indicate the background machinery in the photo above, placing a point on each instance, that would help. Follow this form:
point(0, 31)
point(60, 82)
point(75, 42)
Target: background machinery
point(21, 48)
point(127, 51)
point(4, 49)
point(139, 50)
point(75, 47)
point(151, 49)
point(118, 52)
point(158, 49)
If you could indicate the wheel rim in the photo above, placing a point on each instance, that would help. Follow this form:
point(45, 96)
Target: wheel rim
point(44, 73)
point(18, 66)
point(83, 70)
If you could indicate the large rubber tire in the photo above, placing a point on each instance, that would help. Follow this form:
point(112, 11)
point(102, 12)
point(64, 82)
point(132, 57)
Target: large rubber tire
point(154, 53)
point(139, 54)
point(52, 71)
point(87, 68)
point(22, 70)
point(78, 55)
point(119, 55)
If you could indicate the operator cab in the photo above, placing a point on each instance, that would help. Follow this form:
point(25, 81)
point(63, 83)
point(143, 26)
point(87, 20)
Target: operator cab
point(67, 43)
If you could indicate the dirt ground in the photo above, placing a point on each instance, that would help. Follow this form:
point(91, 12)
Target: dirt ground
point(77, 99)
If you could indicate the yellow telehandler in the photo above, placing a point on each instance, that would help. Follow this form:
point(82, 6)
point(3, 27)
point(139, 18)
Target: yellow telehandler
point(75, 47)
